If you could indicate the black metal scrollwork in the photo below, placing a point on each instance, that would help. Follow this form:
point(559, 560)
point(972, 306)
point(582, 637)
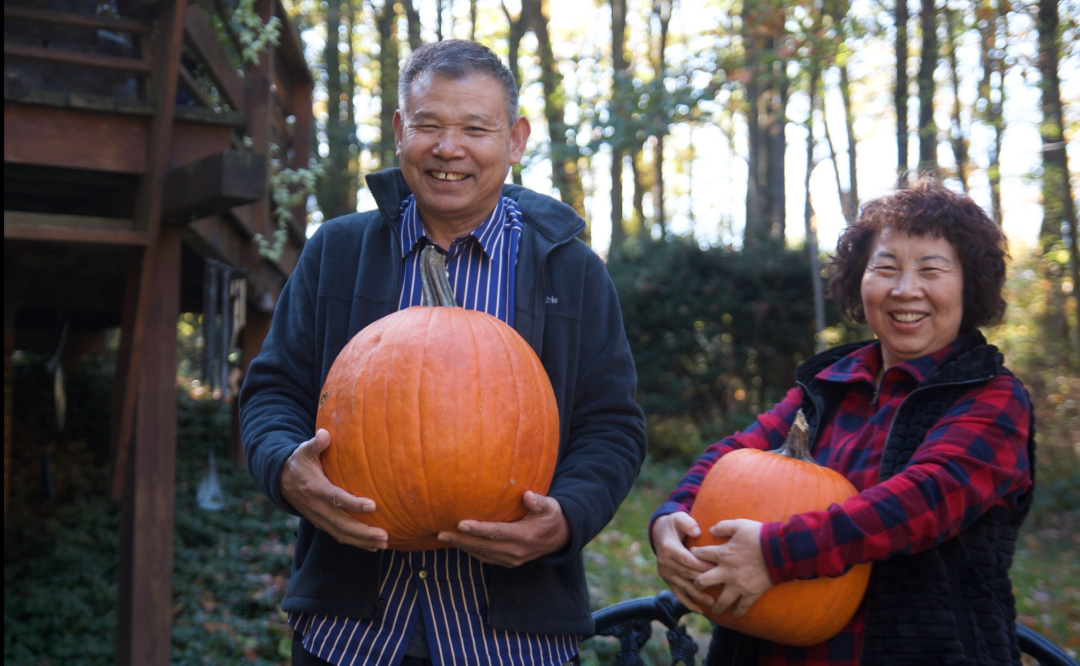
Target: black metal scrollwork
point(630, 622)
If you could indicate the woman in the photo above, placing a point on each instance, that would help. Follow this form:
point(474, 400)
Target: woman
point(928, 425)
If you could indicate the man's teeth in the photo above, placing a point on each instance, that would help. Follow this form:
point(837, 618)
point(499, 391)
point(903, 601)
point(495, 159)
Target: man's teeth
point(442, 175)
point(907, 317)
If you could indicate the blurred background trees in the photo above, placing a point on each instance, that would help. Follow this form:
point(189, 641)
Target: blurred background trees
point(739, 138)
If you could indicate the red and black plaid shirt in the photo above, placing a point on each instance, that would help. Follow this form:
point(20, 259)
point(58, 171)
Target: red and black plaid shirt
point(974, 458)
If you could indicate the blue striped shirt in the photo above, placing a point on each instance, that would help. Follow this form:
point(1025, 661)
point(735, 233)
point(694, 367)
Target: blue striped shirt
point(447, 587)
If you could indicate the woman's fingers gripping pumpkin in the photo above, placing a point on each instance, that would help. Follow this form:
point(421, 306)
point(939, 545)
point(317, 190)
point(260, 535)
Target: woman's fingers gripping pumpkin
point(739, 566)
point(305, 487)
point(674, 563)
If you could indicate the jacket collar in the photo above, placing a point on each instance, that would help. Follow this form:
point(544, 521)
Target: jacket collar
point(970, 357)
point(554, 220)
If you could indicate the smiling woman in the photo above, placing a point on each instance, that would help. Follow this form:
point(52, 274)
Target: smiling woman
point(934, 433)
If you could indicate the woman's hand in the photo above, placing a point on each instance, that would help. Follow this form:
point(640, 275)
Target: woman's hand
point(740, 566)
point(675, 564)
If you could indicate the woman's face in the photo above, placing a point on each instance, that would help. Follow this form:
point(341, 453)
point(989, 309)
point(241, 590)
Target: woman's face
point(912, 294)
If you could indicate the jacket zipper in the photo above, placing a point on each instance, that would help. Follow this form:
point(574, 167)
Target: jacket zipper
point(543, 294)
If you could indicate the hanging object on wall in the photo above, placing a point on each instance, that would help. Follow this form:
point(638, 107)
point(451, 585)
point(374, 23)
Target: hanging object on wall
point(224, 316)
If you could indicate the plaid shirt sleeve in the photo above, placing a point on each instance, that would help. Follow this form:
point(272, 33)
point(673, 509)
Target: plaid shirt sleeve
point(975, 457)
point(767, 432)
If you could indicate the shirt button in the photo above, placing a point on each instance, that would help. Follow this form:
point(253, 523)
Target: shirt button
point(423, 574)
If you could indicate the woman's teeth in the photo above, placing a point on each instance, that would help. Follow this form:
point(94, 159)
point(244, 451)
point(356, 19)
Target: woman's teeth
point(907, 317)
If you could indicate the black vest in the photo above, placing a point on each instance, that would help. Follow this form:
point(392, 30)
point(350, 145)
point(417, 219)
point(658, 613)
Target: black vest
point(953, 604)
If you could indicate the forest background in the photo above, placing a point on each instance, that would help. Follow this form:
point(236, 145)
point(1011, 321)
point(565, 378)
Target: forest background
point(715, 150)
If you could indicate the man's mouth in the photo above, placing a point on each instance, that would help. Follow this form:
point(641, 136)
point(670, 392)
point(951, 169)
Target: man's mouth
point(908, 317)
point(447, 176)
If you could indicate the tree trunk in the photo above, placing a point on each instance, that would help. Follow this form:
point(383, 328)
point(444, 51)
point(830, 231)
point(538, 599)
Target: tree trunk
point(901, 94)
point(776, 194)
point(928, 131)
point(438, 20)
point(333, 195)
point(992, 36)
point(638, 223)
point(852, 213)
point(472, 20)
point(1058, 206)
point(386, 21)
point(662, 9)
point(845, 206)
point(619, 64)
point(412, 18)
point(516, 27)
point(808, 216)
point(564, 153)
point(958, 139)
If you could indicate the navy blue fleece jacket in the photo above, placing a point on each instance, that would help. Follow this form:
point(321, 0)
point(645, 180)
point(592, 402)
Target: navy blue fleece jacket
point(565, 307)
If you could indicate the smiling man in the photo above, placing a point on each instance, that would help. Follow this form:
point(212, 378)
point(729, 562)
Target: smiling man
point(507, 593)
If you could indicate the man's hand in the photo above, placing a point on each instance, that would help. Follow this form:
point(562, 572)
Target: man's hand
point(740, 565)
point(304, 485)
point(543, 530)
point(677, 565)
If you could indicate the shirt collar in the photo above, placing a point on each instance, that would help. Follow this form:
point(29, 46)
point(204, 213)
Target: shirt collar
point(864, 363)
point(487, 234)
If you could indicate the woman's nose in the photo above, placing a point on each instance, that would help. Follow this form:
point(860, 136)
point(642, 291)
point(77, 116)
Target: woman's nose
point(907, 284)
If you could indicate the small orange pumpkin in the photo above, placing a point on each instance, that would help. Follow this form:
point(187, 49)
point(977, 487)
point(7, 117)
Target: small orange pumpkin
point(438, 414)
point(773, 486)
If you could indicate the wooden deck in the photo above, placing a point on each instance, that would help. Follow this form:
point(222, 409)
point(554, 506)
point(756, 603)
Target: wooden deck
point(130, 165)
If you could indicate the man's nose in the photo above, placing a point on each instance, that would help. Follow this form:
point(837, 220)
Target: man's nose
point(449, 145)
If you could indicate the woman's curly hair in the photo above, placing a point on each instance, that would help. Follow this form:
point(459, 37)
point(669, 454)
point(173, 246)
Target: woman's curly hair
point(926, 208)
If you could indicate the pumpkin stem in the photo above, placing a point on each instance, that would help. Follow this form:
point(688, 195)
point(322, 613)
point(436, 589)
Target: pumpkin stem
point(434, 286)
point(797, 445)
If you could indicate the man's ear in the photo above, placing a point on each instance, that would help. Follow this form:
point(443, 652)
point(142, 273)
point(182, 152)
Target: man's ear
point(398, 126)
point(519, 136)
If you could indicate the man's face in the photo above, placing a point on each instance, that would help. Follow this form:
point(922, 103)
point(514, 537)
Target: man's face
point(455, 144)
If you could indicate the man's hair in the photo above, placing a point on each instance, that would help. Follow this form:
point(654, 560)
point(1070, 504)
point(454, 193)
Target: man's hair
point(926, 208)
point(457, 59)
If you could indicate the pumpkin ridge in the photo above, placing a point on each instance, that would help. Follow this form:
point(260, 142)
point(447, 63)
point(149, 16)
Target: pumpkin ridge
point(516, 377)
point(365, 471)
point(400, 521)
point(475, 380)
point(432, 325)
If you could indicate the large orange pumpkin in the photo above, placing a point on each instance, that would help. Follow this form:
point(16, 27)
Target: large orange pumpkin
point(772, 486)
point(438, 414)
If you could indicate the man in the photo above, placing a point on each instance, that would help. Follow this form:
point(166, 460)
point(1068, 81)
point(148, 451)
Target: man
point(510, 593)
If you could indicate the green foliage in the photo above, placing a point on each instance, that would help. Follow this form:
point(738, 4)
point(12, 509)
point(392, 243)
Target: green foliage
point(288, 188)
point(1038, 351)
point(61, 532)
point(254, 35)
point(716, 335)
point(60, 554)
point(231, 566)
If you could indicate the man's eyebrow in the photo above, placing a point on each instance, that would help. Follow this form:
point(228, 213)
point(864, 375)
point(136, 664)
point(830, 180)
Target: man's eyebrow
point(481, 118)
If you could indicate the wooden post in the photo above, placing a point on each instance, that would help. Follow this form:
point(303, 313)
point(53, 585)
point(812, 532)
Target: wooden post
point(144, 601)
point(168, 41)
point(145, 454)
